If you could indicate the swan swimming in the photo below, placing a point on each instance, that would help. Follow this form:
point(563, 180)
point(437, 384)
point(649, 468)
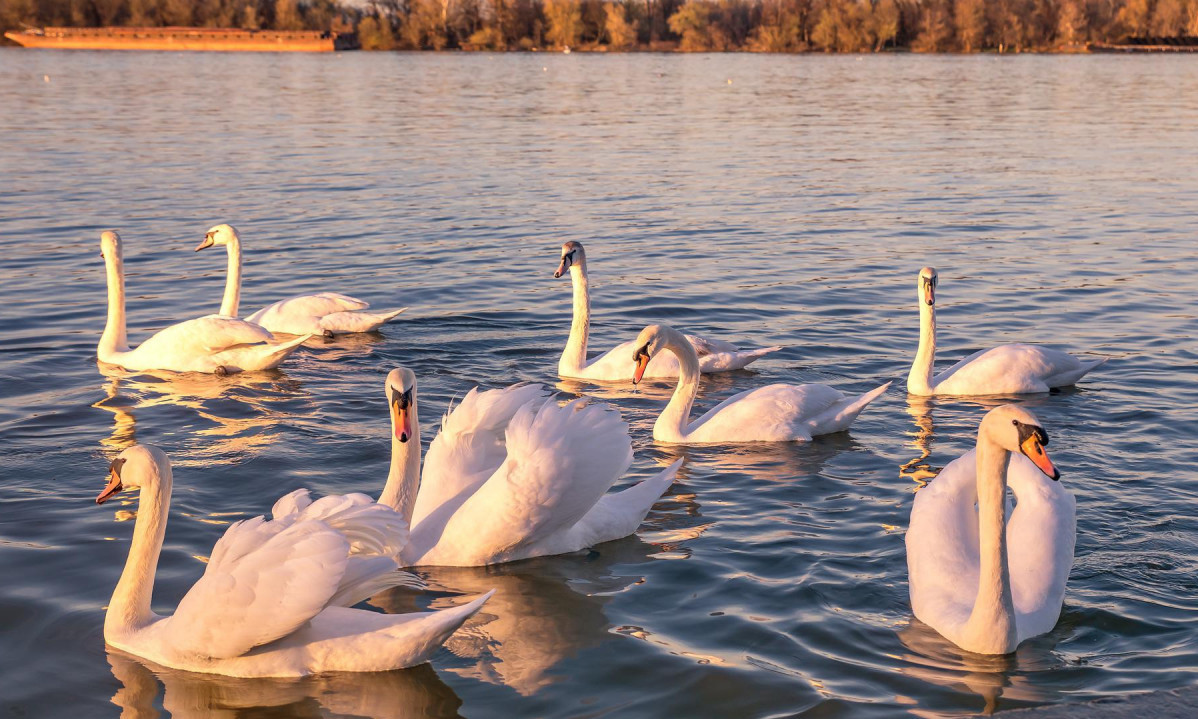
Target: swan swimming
point(511, 475)
point(213, 343)
point(1006, 369)
point(984, 577)
point(275, 597)
point(612, 366)
point(323, 313)
point(774, 413)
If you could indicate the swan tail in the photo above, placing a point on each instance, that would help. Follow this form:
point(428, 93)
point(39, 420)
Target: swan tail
point(726, 361)
point(1066, 379)
point(260, 356)
point(619, 514)
point(341, 323)
point(418, 638)
point(840, 415)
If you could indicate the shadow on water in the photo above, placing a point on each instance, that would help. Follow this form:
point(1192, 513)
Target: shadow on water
point(238, 414)
point(145, 686)
point(544, 611)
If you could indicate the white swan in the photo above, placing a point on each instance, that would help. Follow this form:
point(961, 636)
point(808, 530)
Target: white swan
point(984, 581)
point(612, 366)
point(511, 475)
point(326, 313)
point(207, 344)
point(774, 413)
point(274, 598)
point(1006, 369)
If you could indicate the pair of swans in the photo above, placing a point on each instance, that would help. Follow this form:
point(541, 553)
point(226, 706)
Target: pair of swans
point(1006, 369)
point(214, 343)
point(324, 313)
point(984, 575)
point(612, 366)
point(512, 475)
point(221, 343)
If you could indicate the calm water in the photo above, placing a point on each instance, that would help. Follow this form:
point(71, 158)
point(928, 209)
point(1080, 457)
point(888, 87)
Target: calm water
point(773, 200)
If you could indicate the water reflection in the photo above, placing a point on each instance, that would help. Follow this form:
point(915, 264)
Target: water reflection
point(544, 610)
point(771, 461)
point(240, 413)
point(932, 658)
point(341, 347)
point(405, 693)
point(715, 384)
point(919, 470)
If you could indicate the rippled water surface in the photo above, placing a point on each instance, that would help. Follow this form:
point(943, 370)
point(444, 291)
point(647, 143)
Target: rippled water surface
point(770, 200)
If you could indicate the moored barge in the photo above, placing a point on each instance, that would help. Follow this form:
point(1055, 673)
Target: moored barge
point(183, 38)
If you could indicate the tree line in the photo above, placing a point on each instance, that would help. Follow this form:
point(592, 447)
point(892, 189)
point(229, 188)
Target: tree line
point(687, 25)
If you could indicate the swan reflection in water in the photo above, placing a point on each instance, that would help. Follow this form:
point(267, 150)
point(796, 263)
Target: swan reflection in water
point(1009, 677)
point(544, 610)
point(405, 693)
point(919, 469)
point(237, 414)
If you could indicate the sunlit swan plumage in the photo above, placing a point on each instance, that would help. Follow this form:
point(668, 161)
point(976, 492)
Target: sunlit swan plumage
point(982, 575)
point(612, 366)
point(774, 413)
point(275, 596)
point(213, 343)
point(327, 313)
point(1006, 369)
point(511, 475)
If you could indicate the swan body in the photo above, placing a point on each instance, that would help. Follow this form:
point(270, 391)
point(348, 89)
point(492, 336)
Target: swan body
point(212, 343)
point(512, 475)
point(323, 313)
point(612, 366)
point(774, 413)
point(275, 597)
point(1006, 369)
point(985, 576)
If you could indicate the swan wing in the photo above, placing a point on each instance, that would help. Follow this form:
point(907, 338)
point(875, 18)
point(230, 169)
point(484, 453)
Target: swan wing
point(261, 584)
point(1006, 369)
point(301, 314)
point(707, 346)
point(206, 335)
point(372, 529)
point(469, 448)
point(774, 413)
point(561, 460)
point(942, 547)
point(1041, 533)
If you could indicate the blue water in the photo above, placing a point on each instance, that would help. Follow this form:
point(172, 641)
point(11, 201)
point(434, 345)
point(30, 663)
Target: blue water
point(761, 199)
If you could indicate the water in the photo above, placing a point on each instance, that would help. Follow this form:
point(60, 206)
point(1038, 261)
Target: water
point(771, 200)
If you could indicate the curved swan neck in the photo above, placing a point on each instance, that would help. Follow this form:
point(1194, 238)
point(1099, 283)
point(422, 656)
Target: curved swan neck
point(919, 380)
point(991, 625)
point(129, 608)
point(114, 339)
point(675, 418)
point(574, 357)
point(232, 299)
point(403, 479)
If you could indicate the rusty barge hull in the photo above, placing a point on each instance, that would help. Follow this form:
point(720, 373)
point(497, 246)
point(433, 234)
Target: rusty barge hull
point(183, 38)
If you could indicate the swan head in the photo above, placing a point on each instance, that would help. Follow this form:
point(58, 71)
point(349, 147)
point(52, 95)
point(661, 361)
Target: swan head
point(218, 236)
point(138, 466)
point(927, 285)
point(110, 245)
point(572, 254)
point(648, 343)
point(1016, 429)
point(401, 398)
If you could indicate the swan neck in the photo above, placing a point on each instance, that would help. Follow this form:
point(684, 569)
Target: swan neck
point(574, 357)
point(991, 624)
point(114, 340)
point(675, 418)
point(232, 299)
point(403, 479)
point(919, 381)
point(129, 608)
